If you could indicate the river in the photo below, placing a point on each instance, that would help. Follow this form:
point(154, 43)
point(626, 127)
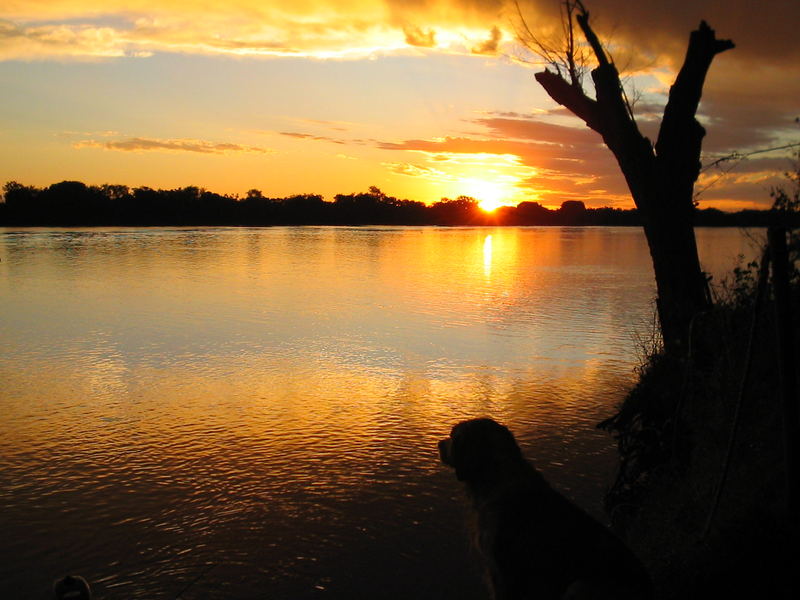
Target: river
point(253, 412)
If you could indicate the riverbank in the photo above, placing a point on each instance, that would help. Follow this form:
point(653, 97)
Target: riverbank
point(701, 494)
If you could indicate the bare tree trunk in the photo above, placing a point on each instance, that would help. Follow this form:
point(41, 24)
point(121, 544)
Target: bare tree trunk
point(661, 177)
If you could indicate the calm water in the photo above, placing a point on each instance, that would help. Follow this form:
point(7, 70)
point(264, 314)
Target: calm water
point(253, 413)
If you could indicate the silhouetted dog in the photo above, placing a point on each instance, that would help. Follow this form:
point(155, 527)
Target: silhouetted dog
point(535, 543)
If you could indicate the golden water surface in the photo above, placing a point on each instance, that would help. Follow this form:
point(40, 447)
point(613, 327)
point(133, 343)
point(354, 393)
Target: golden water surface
point(253, 413)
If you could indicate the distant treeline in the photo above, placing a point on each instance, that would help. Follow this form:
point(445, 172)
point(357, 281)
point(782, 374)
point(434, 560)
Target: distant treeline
point(72, 203)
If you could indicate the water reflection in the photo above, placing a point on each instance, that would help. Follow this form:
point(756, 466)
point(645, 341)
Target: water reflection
point(262, 406)
point(487, 257)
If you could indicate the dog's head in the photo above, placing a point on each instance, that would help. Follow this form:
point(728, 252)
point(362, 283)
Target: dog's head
point(478, 448)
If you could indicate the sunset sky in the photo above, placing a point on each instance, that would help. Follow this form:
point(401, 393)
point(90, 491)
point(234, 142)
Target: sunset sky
point(422, 98)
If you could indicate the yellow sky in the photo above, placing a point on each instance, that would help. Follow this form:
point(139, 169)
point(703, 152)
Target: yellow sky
point(423, 98)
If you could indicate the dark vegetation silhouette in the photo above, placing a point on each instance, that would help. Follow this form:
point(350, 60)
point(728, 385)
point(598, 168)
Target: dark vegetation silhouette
point(708, 486)
point(72, 204)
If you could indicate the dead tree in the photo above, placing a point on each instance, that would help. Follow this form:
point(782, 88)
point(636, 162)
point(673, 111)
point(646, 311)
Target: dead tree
point(660, 176)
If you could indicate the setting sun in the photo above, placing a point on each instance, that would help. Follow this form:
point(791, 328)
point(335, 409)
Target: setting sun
point(490, 194)
point(489, 205)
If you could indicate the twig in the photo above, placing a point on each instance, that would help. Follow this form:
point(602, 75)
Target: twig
point(742, 155)
point(738, 157)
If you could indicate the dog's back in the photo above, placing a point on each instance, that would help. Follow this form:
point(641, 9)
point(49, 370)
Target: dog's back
point(537, 544)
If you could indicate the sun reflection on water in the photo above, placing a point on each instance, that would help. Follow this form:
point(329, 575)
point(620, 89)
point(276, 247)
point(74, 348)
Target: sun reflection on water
point(487, 256)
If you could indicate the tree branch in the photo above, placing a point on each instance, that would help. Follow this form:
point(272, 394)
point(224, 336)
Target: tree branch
point(571, 97)
point(681, 135)
point(620, 126)
point(684, 95)
point(591, 36)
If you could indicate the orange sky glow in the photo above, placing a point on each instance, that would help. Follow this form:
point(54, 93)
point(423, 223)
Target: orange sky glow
point(424, 99)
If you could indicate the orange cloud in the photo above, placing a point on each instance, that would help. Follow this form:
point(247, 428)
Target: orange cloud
point(417, 37)
point(489, 46)
point(313, 28)
point(308, 136)
point(138, 144)
point(416, 170)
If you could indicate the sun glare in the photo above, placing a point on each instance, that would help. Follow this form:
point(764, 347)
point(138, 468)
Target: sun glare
point(489, 205)
point(490, 194)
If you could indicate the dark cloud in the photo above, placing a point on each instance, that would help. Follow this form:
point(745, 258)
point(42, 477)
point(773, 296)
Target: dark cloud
point(751, 109)
point(738, 194)
point(751, 94)
point(763, 30)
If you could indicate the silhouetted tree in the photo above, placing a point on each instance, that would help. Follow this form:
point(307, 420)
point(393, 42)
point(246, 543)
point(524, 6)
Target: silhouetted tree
point(115, 193)
point(306, 209)
point(533, 213)
point(660, 176)
point(572, 212)
point(255, 209)
point(375, 207)
point(73, 203)
point(370, 208)
point(18, 202)
point(464, 210)
point(147, 207)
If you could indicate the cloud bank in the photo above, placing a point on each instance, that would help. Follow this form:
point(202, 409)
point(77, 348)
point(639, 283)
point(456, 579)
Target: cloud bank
point(70, 29)
point(31, 29)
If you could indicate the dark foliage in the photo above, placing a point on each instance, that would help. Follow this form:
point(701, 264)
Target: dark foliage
point(674, 433)
point(706, 491)
point(72, 203)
